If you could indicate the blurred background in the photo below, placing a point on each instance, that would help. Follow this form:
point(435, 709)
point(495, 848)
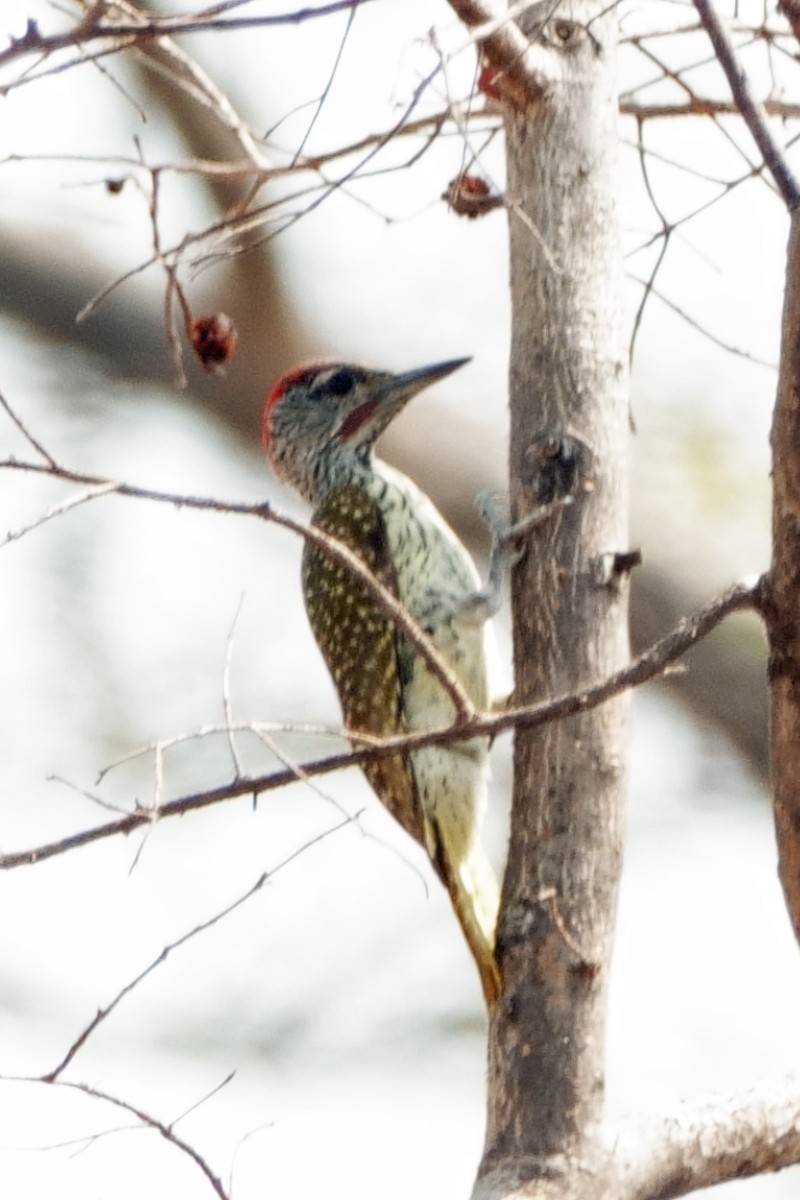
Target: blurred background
point(329, 1033)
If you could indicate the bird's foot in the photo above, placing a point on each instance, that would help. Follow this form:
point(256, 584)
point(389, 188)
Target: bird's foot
point(507, 547)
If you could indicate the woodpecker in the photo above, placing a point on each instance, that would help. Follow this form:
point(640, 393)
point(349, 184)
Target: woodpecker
point(319, 428)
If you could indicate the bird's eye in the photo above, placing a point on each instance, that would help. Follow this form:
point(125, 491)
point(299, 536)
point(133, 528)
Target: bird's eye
point(340, 383)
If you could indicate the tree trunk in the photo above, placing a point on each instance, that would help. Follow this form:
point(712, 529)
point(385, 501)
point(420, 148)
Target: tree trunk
point(569, 433)
point(783, 590)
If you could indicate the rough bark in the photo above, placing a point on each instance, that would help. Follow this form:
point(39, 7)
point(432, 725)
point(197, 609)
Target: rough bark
point(708, 1141)
point(784, 590)
point(569, 434)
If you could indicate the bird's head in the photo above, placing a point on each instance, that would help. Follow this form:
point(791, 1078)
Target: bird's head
point(321, 421)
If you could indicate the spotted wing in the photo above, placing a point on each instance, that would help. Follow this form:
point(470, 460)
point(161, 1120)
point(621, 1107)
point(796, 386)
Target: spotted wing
point(359, 643)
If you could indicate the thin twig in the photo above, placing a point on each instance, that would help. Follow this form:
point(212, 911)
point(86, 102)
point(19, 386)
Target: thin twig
point(706, 333)
point(151, 28)
point(260, 729)
point(751, 110)
point(702, 106)
point(666, 232)
point(26, 433)
point(298, 153)
point(239, 224)
point(58, 510)
point(193, 1107)
point(103, 1013)
point(227, 706)
point(264, 731)
point(151, 1122)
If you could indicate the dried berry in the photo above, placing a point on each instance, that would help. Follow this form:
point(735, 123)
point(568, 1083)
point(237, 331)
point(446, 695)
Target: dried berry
point(214, 338)
point(471, 196)
point(487, 83)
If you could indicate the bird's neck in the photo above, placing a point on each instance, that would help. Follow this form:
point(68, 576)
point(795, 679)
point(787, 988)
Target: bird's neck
point(317, 477)
point(335, 468)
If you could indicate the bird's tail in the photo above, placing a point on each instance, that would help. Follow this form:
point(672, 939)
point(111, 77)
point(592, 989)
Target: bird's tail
point(475, 895)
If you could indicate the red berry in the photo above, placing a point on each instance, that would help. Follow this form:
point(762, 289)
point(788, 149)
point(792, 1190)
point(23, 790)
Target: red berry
point(214, 338)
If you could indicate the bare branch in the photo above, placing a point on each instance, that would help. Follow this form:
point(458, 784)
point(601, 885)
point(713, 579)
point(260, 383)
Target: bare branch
point(702, 106)
point(298, 153)
point(166, 56)
point(701, 329)
point(26, 433)
point(213, 242)
point(383, 597)
point(58, 510)
point(748, 106)
point(649, 665)
point(103, 1013)
point(93, 28)
point(150, 1122)
point(710, 1141)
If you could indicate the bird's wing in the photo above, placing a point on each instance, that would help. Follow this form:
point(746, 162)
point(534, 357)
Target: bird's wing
point(359, 643)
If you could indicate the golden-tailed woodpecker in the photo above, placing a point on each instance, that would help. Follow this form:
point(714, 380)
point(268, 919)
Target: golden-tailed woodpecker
point(319, 427)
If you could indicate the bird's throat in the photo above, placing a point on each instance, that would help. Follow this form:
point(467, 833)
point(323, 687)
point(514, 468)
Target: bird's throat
point(355, 419)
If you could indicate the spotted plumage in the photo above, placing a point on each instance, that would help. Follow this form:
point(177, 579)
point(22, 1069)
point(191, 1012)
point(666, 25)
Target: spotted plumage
point(358, 642)
point(320, 424)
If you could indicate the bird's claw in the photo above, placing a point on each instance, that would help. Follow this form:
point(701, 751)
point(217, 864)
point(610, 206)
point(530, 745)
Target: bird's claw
point(507, 548)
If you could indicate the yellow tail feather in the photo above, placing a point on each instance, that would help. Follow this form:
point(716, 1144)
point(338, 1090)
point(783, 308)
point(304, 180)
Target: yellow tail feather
point(475, 896)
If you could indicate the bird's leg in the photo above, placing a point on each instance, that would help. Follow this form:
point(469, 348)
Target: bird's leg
point(561, 462)
point(506, 549)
